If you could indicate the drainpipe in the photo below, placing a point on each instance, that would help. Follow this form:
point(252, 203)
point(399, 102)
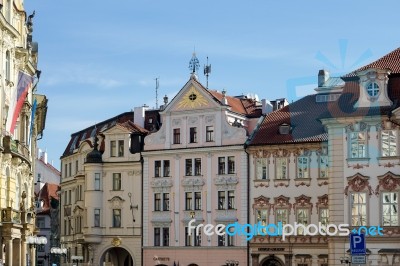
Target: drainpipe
point(248, 198)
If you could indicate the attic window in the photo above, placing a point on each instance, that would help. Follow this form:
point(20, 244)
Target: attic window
point(284, 129)
point(322, 98)
point(73, 145)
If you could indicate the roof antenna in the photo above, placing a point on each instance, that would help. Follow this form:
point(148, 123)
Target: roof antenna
point(207, 71)
point(157, 84)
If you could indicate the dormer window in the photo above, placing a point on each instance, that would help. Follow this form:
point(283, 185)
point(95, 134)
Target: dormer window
point(284, 129)
point(373, 89)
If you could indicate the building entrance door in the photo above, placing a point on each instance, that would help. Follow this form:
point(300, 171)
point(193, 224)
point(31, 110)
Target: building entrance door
point(271, 261)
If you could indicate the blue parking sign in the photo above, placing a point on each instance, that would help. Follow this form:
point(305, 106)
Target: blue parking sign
point(357, 244)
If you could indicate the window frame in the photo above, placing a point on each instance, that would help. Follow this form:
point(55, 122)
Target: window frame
point(209, 133)
point(261, 168)
point(226, 199)
point(193, 135)
point(117, 182)
point(97, 217)
point(117, 218)
point(281, 162)
point(383, 204)
point(97, 181)
point(176, 136)
point(357, 216)
point(303, 167)
point(395, 144)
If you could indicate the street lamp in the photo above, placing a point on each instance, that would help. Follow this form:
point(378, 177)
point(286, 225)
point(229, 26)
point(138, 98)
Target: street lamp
point(345, 260)
point(34, 241)
point(231, 263)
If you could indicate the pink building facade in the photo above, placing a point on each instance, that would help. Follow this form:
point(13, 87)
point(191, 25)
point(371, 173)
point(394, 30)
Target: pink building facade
point(195, 168)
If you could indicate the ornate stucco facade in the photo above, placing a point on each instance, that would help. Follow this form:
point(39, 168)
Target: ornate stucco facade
point(101, 192)
point(331, 158)
point(195, 167)
point(23, 116)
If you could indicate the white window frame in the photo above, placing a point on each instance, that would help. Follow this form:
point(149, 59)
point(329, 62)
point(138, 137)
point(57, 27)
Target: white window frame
point(302, 167)
point(357, 217)
point(226, 204)
point(261, 168)
point(395, 144)
point(382, 204)
point(279, 163)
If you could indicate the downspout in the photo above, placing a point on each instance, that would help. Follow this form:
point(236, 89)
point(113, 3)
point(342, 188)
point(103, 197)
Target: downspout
point(248, 198)
point(141, 211)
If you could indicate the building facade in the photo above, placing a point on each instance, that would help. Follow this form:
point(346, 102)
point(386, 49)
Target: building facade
point(101, 192)
point(195, 172)
point(23, 114)
point(330, 158)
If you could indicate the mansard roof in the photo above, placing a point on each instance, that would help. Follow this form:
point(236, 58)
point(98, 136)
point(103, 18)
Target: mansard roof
point(389, 61)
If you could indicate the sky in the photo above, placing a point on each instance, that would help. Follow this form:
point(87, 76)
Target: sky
point(101, 58)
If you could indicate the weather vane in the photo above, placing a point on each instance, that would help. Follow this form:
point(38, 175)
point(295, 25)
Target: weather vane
point(194, 63)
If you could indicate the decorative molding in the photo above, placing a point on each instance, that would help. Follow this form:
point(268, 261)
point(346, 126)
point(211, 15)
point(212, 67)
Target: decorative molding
point(281, 202)
point(261, 183)
point(301, 152)
point(388, 182)
point(226, 216)
point(357, 127)
point(116, 202)
point(226, 182)
point(281, 153)
point(192, 120)
point(358, 183)
point(303, 201)
point(176, 122)
point(193, 183)
point(261, 202)
point(302, 182)
point(322, 181)
point(161, 184)
point(161, 217)
point(322, 202)
point(261, 153)
point(116, 242)
point(281, 182)
point(209, 119)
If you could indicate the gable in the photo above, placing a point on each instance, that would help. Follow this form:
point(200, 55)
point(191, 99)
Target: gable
point(191, 97)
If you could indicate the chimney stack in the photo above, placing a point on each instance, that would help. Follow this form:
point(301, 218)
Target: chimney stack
point(323, 76)
point(139, 115)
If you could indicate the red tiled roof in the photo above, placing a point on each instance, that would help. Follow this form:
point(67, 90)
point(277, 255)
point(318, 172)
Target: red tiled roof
point(390, 61)
point(48, 192)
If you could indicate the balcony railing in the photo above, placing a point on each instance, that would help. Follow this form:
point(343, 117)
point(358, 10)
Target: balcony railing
point(16, 148)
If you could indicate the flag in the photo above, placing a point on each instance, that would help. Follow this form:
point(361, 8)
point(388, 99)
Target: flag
point(32, 120)
point(24, 82)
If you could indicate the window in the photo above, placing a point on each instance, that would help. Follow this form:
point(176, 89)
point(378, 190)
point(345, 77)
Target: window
point(157, 202)
point(96, 217)
point(120, 148)
point(157, 236)
point(302, 167)
point(40, 222)
point(177, 136)
point(161, 236)
point(197, 239)
point(97, 181)
point(231, 165)
point(373, 89)
point(65, 170)
point(226, 200)
point(116, 181)
point(358, 208)
point(161, 201)
point(197, 200)
point(157, 168)
point(189, 163)
point(70, 169)
point(262, 218)
point(78, 224)
point(113, 148)
point(76, 167)
point(193, 134)
point(282, 216)
point(358, 144)
point(188, 167)
point(224, 168)
point(221, 165)
point(117, 218)
point(225, 240)
point(209, 133)
point(323, 167)
point(189, 238)
point(188, 201)
point(388, 143)
point(117, 148)
point(261, 168)
point(281, 168)
point(390, 215)
point(69, 196)
point(165, 237)
point(166, 169)
point(302, 216)
point(324, 216)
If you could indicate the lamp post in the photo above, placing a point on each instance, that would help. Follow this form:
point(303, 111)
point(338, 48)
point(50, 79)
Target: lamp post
point(345, 260)
point(33, 242)
point(55, 251)
point(231, 263)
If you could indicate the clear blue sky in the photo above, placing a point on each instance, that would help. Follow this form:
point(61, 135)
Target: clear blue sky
point(101, 58)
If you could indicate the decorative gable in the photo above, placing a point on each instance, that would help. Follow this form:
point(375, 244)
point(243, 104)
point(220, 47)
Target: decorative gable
point(373, 88)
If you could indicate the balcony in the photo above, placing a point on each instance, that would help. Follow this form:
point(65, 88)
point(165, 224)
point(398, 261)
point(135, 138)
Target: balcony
point(16, 148)
point(9, 215)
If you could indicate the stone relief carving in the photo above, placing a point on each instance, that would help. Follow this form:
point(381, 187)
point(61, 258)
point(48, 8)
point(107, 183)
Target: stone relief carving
point(192, 183)
point(322, 202)
point(161, 184)
point(192, 120)
point(358, 183)
point(261, 202)
point(388, 182)
point(282, 202)
point(226, 182)
point(209, 119)
point(303, 201)
point(116, 202)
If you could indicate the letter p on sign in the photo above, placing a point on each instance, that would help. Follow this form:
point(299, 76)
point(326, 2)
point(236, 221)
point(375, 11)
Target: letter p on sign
point(357, 244)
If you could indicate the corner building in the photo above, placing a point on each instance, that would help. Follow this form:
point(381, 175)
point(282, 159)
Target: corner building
point(333, 158)
point(195, 167)
point(101, 192)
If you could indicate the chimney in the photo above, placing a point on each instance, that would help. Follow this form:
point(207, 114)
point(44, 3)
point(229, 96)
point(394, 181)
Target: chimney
point(323, 76)
point(266, 106)
point(139, 115)
point(45, 156)
point(39, 153)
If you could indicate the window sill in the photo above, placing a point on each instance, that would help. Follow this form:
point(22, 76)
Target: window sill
point(322, 181)
point(302, 182)
point(357, 163)
point(389, 161)
point(281, 182)
point(261, 183)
